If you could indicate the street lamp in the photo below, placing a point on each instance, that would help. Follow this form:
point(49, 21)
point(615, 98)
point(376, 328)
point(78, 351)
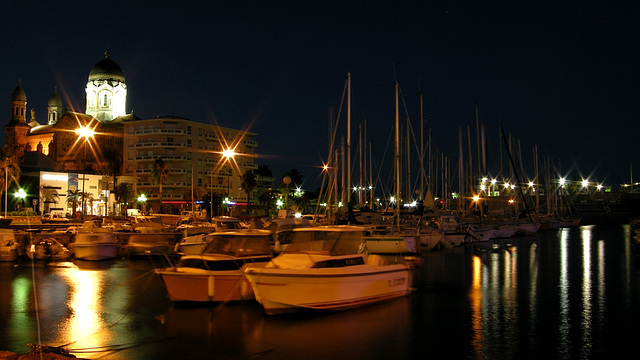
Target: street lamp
point(142, 199)
point(21, 195)
point(86, 133)
point(229, 192)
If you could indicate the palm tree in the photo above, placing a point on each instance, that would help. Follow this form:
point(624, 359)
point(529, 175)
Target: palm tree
point(9, 168)
point(263, 170)
point(248, 184)
point(296, 177)
point(124, 195)
point(159, 174)
point(267, 199)
point(72, 197)
point(87, 199)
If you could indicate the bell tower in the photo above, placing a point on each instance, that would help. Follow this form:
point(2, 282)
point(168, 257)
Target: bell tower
point(15, 132)
point(106, 91)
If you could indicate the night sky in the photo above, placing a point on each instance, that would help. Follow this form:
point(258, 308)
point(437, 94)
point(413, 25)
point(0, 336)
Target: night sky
point(564, 76)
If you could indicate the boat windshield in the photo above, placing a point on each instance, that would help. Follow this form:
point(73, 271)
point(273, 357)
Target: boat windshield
point(238, 245)
point(326, 242)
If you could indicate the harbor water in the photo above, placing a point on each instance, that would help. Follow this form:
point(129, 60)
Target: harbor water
point(571, 293)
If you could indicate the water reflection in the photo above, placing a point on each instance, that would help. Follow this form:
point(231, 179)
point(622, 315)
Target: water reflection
point(85, 308)
point(561, 294)
point(502, 276)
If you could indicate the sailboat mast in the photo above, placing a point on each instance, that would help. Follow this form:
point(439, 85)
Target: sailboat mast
point(347, 185)
point(397, 161)
point(422, 173)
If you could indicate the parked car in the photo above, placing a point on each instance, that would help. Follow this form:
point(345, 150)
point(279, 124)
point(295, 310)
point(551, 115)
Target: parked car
point(53, 218)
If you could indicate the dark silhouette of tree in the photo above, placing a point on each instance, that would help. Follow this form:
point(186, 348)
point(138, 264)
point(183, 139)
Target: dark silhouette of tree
point(9, 169)
point(263, 170)
point(73, 196)
point(124, 195)
point(249, 183)
point(159, 174)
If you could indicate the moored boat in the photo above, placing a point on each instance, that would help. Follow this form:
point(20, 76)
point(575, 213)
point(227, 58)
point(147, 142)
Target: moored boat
point(9, 249)
point(325, 267)
point(48, 249)
point(194, 240)
point(217, 273)
point(94, 243)
point(384, 240)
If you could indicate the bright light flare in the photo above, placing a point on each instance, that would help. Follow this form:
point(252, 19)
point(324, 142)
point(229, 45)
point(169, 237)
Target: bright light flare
point(228, 153)
point(85, 132)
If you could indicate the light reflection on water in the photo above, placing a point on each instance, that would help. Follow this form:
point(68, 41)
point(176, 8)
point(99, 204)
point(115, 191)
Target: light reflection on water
point(562, 294)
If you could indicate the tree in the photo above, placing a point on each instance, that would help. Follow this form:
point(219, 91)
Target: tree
point(248, 184)
point(87, 198)
point(9, 169)
point(267, 199)
point(124, 195)
point(159, 174)
point(72, 197)
point(296, 177)
point(263, 170)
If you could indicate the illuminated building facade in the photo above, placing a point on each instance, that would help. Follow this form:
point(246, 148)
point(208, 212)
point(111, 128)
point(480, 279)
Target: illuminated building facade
point(192, 153)
point(125, 146)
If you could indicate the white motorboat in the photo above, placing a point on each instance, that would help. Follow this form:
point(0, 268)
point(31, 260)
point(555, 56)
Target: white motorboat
point(194, 240)
point(226, 223)
point(149, 238)
point(527, 228)
point(430, 238)
point(384, 240)
point(282, 228)
point(325, 267)
point(94, 243)
point(478, 233)
point(217, 274)
point(48, 249)
point(455, 232)
point(9, 249)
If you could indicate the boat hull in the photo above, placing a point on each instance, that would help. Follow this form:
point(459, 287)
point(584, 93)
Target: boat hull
point(391, 244)
point(223, 286)
point(94, 252)
point(289, 290)
point(9, 254)
point(453, 239)
point(428, 241)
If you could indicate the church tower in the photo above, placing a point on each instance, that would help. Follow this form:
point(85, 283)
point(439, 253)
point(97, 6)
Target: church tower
point(106, 91)
point(54, 107)
point(15, 132)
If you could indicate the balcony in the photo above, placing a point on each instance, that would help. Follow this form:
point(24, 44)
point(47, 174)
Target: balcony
point(164, 157)
point(160, 144)
point(160, 131)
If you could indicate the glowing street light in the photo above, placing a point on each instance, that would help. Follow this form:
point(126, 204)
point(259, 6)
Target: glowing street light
point(86, 133)
point(20, 194)
point(142, 199)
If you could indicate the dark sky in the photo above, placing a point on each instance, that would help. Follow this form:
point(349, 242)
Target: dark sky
point(561, 75)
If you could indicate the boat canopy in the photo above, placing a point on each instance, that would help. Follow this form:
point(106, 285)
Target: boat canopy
point(239, 245)
point(327, 240)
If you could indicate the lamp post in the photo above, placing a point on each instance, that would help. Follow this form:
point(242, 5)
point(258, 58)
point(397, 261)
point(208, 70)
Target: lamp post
point(287, 181)
point(229, 154)
point(142, 199)
point(84, 132)
point(20, 194)
point(229, 192)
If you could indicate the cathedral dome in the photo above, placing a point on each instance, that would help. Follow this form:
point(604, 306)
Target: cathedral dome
point(106, 69)
point(18, 93)
point(54, 99)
